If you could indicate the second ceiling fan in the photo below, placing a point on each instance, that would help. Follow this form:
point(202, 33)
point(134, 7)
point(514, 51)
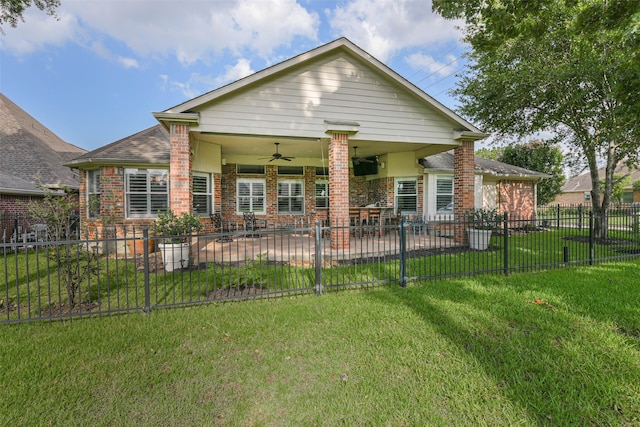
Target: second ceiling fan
point(278, 156)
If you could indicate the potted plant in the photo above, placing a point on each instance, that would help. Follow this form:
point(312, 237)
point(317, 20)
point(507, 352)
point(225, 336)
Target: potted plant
point(483, 221)
point(174, 233)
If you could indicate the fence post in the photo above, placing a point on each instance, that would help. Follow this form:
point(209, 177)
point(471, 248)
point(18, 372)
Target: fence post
point(318, 257)
point(15, 230)
point(558, 217)
point(403, 250)
point(591, 242)
point(505, 236)
point(145, 254)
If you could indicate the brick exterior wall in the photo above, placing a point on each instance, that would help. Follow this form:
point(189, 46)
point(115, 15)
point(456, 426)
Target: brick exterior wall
point(517, 198)
point(339, 189)
point(463, 186)
point(574, 198)
point(180, 196)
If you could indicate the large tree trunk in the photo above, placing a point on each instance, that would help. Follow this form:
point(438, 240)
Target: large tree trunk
point(601, 200)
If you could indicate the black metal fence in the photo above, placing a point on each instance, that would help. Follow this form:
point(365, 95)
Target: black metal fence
point(84, 277)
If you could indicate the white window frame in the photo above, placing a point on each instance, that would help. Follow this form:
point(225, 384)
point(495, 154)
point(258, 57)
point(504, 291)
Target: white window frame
point(253, 197)
point(159, 189)
point(323, 194)
point(449, 195)
point(93, 192)
point(289, 197)
point(208, 194)
point(399, 186)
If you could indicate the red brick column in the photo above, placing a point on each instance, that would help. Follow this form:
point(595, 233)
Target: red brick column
point(463, 187)
point(180, 168)
point(339, 190)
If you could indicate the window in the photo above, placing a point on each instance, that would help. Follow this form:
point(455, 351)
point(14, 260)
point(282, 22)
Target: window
point(291, 197)
point(587, 196)
point(250, 195)
point(322, 171)
point(146, 192)
point(93, 194)
point(290, 170)
point(250, 169)
point(444, 195)
point(322, 194)
point(202, 193)
point(407, 195)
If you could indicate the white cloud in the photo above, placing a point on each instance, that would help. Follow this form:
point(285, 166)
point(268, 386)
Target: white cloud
point(235, 72)
point(190, 87)
point(190, 30)
point(128, 62)
point(385, 27)
point(39, 31)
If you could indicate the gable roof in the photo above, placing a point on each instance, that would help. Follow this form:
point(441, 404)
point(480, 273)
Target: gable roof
point(582, 182)
point(185, 111)
point(150, 146)
point(32, 155)
point(444, 162)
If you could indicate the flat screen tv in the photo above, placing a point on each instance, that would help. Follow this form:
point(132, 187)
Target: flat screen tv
point(370, 167)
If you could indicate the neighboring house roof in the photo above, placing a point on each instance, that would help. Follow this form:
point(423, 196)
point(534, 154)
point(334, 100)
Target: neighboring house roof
point(150, 146)
point(32, 155)
point(444, 162)
point(582, 182)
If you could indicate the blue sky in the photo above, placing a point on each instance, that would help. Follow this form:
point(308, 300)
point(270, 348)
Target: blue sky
point(97, 73)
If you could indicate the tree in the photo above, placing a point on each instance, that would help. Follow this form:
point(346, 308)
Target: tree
point(570, 67)
point(539, 156)
point(12, 10)
point(617, 191)
point(490, 153)
point(75, 262)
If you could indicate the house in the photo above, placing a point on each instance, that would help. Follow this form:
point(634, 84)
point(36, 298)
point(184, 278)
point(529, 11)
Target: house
point(32, 159)
point(498, 185)
point(308, 137)
point(577, 190)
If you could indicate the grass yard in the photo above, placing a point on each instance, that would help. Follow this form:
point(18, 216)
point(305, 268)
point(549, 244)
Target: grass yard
point(546, 348)
point(36, 287)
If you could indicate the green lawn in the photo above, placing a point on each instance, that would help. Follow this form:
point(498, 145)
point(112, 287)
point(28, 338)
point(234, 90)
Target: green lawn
point(36, 287)
point(546, 348)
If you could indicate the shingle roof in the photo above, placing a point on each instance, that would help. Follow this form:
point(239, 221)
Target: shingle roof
point(444, 162)
point(150, 146)
point(31, 153)
point(582, 183)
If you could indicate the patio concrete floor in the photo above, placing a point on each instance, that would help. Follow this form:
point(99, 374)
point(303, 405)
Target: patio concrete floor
point(294, 247)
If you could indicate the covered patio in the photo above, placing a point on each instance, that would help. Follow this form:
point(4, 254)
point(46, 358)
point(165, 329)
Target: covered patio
point(318, 134)
point(298, 246)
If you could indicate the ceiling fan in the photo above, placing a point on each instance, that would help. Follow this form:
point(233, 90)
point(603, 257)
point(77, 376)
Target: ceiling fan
point(357, 160)
point(278, 156)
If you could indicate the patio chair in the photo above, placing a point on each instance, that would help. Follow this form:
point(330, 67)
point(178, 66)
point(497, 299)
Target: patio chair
point(220, 227)
point(251, 223)
point(374, 221)
point(355, 222)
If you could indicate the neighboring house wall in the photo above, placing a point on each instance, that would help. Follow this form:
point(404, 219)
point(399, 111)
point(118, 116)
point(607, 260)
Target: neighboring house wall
point(573, 198)
point(12, 204)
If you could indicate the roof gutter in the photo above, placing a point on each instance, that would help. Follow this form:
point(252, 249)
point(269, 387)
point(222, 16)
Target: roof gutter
point(109, 162)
